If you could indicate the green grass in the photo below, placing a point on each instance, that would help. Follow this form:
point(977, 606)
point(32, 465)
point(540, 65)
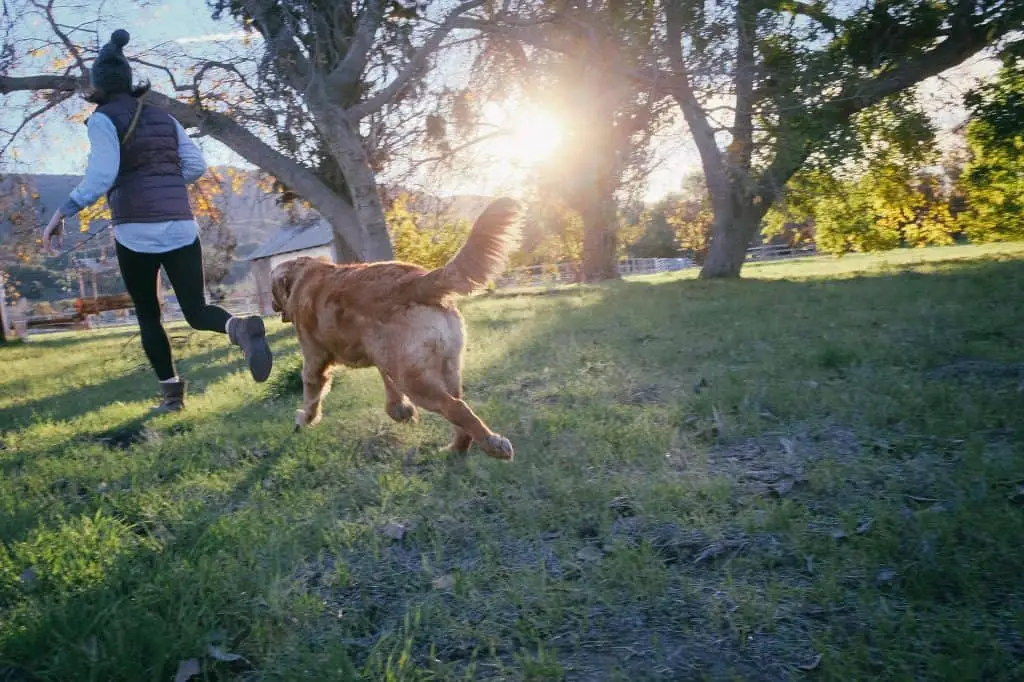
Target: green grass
point(811, 473)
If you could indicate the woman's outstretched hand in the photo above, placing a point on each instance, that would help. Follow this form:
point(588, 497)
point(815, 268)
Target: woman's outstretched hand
point(53, 235)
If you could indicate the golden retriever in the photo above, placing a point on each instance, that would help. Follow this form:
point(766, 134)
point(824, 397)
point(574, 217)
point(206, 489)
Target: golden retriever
point(401, 319)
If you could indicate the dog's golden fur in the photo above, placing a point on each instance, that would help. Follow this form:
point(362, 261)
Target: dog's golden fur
point(399, 318)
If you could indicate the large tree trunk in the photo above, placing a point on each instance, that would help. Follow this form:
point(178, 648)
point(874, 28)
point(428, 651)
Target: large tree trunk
point(4, 322)
point(600, 228)
point(348, 150)
point(362, 184)
point(734, 228)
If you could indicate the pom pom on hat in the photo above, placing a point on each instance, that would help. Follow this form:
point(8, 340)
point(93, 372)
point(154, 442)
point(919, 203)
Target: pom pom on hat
point(111, 72)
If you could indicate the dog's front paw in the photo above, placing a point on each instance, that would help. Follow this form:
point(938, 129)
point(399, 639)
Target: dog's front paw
point(303, 419)
point(498, 447)
point(403, 412)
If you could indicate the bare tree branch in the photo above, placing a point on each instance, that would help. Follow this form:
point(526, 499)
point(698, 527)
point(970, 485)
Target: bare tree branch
point(9, 84)
point(54, 103)
point(72, 49)
point(159, 67)
point(681, 90)
point(454, 151)
point(742, 145)
point(415, 65)
point(351, 67)
point(279, 37)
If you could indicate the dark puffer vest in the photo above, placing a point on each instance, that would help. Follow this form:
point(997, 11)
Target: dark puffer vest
point(149, 187)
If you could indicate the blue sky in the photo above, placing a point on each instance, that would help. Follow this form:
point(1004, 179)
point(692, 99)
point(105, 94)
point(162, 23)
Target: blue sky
point(61, 147)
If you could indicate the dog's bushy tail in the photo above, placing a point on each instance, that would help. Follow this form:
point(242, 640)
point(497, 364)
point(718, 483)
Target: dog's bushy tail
point(484, 255)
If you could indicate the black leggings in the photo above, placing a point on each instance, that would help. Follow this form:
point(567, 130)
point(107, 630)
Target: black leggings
point(184, 267)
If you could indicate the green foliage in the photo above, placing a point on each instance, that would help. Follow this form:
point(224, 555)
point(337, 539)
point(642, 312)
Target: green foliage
point(874, 201)
point(657, 237)
point(427, 247)
point(993, 181)
point(998, 106)
point(680, 223)
point(552, 233)
point(888, 207)
point(792, 217)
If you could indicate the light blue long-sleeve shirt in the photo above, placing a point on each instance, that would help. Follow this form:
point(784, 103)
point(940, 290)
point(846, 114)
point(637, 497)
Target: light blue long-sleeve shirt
point(101, 171)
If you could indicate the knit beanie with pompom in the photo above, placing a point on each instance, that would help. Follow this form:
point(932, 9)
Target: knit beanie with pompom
point(111, 72)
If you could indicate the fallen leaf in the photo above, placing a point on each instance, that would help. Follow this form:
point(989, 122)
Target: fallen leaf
point(219, 654)
point(865, 526)
point(811, 384)
point(839, 534)
point(590, 554)
point(394, 530)
point(812, 664)
point(885, 575)
point(187, 669)
point(443, 582)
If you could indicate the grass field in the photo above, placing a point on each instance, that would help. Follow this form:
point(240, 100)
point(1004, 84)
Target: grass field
point(813, 473)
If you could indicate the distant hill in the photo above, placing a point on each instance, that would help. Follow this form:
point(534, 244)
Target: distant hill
point(463, 207)
point(253, 217)
point(252, 212)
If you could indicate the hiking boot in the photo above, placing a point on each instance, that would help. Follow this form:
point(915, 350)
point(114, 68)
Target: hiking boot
point(249, 334)
point(173, 396)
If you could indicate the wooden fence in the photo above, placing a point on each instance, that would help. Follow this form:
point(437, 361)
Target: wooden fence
point(569, 273)
point(116, 310)
point(780, 252)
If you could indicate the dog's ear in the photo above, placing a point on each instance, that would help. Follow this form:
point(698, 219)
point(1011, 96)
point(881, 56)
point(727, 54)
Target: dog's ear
point(281, 280)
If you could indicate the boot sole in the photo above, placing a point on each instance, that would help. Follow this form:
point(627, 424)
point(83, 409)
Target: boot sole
point(261, 360)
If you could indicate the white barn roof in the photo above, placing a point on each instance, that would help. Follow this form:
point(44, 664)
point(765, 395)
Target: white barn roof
point(291, 239)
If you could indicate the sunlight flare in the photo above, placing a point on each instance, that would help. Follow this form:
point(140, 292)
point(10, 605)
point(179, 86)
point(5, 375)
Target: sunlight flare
point(533, 134)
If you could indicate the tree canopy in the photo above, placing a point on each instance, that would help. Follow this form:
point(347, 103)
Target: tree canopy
point(776, 95)
point(993, 180)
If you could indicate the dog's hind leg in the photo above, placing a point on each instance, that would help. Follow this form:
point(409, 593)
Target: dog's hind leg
point(429, 392)
point(398, 406)
point(461, 440)
point(316, 382)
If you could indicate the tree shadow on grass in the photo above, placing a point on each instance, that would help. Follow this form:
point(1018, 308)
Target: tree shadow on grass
point(161, 601)
point(200, 369)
